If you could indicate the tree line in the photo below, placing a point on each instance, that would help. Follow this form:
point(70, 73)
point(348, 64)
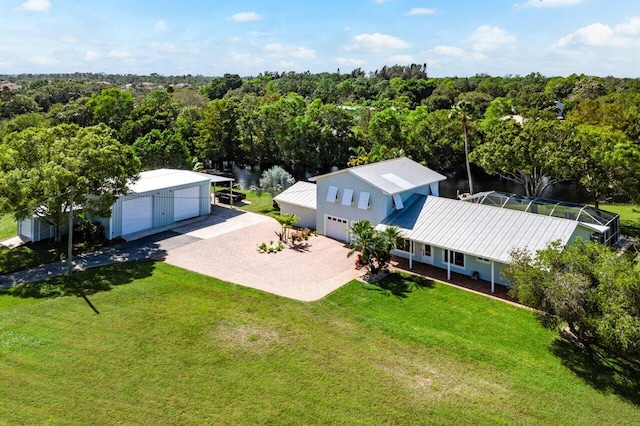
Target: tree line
point(534, 130)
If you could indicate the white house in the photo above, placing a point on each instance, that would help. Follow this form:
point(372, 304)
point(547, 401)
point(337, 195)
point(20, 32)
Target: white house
point(461, 236)
point(158, 198)
point(370, 192)
point(300, 200)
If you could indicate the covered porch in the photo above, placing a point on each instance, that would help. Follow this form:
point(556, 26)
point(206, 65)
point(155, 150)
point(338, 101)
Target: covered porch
point(451, 277)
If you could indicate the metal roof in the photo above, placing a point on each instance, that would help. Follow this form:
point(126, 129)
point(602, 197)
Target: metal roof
point(301, 194)
point(604, 222)
point(153, 180)
point(392, 176)
point(477, 229)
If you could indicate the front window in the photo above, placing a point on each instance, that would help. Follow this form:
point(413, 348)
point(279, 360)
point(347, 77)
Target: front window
point(457, 258)
point(403, 244)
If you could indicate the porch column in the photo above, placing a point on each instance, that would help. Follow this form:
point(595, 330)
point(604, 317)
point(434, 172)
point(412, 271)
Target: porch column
point(449, 265)
point(411, 248)
point(493, 285)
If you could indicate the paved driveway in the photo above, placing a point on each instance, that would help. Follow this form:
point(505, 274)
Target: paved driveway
point(228, 251)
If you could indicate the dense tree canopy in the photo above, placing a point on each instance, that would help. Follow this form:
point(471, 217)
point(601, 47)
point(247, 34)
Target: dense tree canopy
point(41, 167)
point(311, 120)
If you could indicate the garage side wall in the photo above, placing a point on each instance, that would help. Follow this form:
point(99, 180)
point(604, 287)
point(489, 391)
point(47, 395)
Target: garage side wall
point(307, 216)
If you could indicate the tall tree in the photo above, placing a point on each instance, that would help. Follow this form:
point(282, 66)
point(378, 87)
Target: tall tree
point(464, 112)
point(41, 167)
point(610, 163)
point(584, 285)
point(536, 154)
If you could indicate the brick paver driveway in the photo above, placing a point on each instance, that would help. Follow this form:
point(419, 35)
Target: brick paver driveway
point(228, 251)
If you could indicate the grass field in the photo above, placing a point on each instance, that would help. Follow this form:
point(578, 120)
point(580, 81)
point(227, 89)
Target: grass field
point(262, 204)
point(174, 347)
point(8, 227)
point(629, 217)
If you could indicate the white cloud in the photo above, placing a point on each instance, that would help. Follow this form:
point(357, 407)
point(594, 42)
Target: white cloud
point(118, 54)
point(160, 26)
point(69, 39)
point(421, 11)
point(350, 61)
point(381, 1)
point(401, 59)
point(245, 17)
point(35, 6)
point(487, 38)
point(447, 51)
point(91, 56)
point(43, 60)
point(290, 51)
point(551, 3)
point(376, 43)
point(235, 39)
point(601, 35)
point(171, 48)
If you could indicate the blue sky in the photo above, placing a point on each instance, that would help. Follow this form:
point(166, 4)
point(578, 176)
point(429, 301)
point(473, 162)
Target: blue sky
point(211, 37)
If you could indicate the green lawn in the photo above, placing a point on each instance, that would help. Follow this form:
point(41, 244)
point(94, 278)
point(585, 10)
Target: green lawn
point(629, 217)
point(262, 204)
point(174, 347)
point(8, 227)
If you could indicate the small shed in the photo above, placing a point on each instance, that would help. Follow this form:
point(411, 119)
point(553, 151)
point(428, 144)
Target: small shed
point(300, 200)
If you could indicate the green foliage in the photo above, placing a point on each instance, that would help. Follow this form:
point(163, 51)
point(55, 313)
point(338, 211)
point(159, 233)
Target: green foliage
point(111, 107)
point(218, 87)
point(40, 166)
point(586, 286)
point(287, 221)
point(465, 112)
point(374, 246)
point(161, 149)
point(536, 154)
point(275, 180)
point(16, 105)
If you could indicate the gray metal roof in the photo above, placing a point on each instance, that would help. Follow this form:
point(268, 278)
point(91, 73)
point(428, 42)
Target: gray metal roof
point(392, 176)
point(153, 180)
point(477, 229)
point(301, 194)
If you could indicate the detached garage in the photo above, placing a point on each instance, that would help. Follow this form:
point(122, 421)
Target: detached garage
point(159, 198)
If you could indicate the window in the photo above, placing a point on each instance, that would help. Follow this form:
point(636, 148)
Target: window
point(397, 202)
point(403, 244)
point(458, 258)
point(347, 197)
point(332, 194)
point(483, 260)
point(364, 202)
point(426, 250)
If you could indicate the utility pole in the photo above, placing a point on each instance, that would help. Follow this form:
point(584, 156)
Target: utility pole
point(70, 248)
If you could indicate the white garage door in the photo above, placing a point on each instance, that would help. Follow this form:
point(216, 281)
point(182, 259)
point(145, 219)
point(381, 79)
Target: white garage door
point(137, 215)
point(336, 227)
point(186, 203)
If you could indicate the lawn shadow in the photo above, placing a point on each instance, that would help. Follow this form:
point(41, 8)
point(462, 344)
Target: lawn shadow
point(84, 283)
point(605, 373)
point(400, 284)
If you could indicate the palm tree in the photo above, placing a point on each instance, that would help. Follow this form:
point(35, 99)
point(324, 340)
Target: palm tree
point(465, 112)
point(374, 246)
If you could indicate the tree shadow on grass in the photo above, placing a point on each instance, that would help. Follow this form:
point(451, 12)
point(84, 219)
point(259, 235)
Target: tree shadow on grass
point(603, 372)
point(84, 283)
point(400, 284)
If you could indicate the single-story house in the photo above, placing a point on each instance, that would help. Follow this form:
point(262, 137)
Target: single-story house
point(158, 198)
point(300, 200)
point(474, 239)
point(471, 238)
